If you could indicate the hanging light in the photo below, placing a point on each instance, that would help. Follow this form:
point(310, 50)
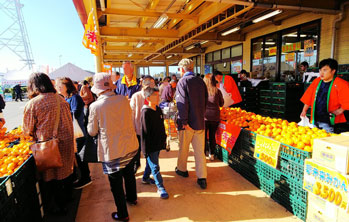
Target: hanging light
point(271, 14)
point(162, 19)
point(231, 31)
point(168, 57)
point(129, 55)
point(190, 47)
point(204, 42)
point(139, 44)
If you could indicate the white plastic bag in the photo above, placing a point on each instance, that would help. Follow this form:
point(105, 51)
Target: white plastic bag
point(305, 122)
point(228, 101)
point(77, 129)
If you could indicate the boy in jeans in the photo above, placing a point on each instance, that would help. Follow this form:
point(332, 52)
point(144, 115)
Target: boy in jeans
point(153, 139)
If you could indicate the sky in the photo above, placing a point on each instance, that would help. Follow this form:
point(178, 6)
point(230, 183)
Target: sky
point(55, 34)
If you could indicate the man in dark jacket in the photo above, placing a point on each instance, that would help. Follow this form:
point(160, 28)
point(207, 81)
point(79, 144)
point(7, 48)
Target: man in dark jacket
point(18, 91)
point(191, 98)
point(128, 84)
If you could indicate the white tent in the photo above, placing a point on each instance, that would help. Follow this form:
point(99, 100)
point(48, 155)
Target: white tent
point(72, 71)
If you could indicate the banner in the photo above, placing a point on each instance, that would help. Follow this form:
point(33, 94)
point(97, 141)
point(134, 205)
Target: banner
point(326, 183)
point(291, 47)
point(258, 55)
point(267, 150)
point(227, 135)
point(308, 47)
point(290, 57)
point(272, 51)
point(91, 35)
point(107, 68)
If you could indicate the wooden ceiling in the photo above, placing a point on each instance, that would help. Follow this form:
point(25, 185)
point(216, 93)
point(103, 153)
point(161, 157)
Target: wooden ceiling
point(128, 34)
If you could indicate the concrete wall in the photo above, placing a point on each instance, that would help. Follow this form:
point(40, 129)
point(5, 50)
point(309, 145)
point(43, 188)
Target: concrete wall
point(342, 43)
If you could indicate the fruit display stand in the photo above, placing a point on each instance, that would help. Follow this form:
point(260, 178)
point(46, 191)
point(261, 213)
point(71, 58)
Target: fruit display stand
point(20, 197)
point(284, 183)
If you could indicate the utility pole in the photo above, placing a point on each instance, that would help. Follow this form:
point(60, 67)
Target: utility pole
point(15, 36)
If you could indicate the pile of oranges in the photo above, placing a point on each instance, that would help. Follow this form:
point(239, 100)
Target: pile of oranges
point(281, 130)
point(14, 150)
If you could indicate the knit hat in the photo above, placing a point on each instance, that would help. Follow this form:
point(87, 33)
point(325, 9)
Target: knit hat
point(102, 82)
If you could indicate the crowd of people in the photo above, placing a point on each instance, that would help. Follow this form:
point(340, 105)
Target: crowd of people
point(125, 115)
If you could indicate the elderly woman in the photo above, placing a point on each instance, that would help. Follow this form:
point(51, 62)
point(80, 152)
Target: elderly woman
point(38, 122)
point(67, 89)
point(111, 118)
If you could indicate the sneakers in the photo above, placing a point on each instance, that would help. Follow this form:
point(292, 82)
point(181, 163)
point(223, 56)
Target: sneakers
point(211, 156)
point(163, 194)
point(202, 183)
point(182, 173)
point(148, 181)
point(82, 183)
point(115, 216)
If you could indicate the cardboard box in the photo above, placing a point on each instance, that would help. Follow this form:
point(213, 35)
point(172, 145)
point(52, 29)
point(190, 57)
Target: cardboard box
point(319, 210)
point(333, 152)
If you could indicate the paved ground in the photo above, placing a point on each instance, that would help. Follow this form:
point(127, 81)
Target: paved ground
point(13, 114)
point(228, 197)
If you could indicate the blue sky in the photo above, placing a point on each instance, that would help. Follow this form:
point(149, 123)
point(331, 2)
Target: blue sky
point(54, 29)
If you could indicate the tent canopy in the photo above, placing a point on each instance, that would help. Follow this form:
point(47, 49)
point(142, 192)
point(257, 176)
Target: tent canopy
point(72, 71)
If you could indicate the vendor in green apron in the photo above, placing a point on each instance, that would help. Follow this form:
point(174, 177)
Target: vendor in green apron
point(328, 97)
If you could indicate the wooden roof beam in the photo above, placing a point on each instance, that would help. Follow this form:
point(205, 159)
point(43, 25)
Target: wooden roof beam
point(109, 39)
point(110, 11)
point(138, 32)
point(215, 36)
point(152, 4)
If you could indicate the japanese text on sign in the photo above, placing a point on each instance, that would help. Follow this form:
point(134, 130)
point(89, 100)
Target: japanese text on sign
point(291, 47)
point(328, 184)
point(227, 135)
point(267, 150)
point(308, 47)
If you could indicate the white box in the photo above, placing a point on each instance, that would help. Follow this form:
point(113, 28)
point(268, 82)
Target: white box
point(333, 152)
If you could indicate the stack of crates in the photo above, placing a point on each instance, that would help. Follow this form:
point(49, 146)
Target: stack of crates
point(250, 99)
point(282, 100)
point(284, 184)
point(20, 198)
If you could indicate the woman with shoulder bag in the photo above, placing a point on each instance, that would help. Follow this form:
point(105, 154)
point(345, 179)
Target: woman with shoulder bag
point(66, 88)
point(40, 119)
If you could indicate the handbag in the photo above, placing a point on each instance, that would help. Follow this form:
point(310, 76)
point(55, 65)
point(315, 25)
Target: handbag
point(88, 152)
point(228, 101)
point(46, 153)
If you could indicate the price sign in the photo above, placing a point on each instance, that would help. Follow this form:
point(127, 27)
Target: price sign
point(326, 183)
point(267, 150)
point(227, 135)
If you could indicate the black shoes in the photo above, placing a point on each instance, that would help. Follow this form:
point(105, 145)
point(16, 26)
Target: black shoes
point(202, 183)
point(182, 173)
point(115, 216)
point(132, 202)
point(82, 183)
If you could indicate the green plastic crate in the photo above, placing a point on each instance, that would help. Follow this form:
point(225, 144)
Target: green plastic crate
point(292, 170)
point(293, 154)
point(267, 172)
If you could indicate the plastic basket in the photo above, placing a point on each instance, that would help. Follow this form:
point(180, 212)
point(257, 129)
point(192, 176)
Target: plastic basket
point(278, 85)
point(291, 153)
point(279, 93)
point(279, 107)
point(265, 99)
point(265, 92)
point(24, 173)
point(4, 195)
point(267, 172)
point(278, 100)
point(292, 170)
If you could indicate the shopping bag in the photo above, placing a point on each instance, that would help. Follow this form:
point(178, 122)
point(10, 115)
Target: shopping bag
point(305, 122)
point(77, 129)
point(88, 152)
point(228, 101)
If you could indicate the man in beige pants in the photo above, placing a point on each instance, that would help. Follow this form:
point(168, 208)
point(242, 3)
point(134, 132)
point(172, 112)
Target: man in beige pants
point(191, 99)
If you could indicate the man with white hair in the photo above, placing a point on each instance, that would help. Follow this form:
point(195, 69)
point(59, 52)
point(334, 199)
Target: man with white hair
point(128, 84)
point(191, 98)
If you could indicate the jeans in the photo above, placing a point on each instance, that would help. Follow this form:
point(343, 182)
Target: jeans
point(117, 187)
point(153, 167)
point(324, 126)
point(211, 127)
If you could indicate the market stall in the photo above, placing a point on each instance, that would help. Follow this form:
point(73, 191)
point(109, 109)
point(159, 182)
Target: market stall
point(275, 154)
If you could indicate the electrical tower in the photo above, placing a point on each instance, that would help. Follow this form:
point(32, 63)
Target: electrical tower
point(13, 34)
